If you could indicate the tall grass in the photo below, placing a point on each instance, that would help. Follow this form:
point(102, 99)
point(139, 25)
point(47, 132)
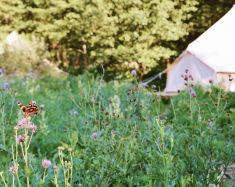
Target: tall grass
point(119, 134)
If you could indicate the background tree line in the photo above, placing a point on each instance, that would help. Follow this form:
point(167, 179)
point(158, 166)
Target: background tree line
point(119, 34)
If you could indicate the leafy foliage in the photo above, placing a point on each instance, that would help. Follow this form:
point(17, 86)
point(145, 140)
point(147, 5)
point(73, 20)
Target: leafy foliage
point(203, 123)
point(207, 14)
point(121, 35)
point(117, 34)
point(121, 134)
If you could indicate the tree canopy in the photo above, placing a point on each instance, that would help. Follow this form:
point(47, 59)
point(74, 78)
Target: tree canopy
point(119, 34)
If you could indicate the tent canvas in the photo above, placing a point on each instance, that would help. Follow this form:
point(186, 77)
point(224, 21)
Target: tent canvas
point(210, 58)
point(15, 42)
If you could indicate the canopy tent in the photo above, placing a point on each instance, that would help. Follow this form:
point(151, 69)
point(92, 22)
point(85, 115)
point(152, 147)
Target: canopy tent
point(209, 59)
point(14, 41)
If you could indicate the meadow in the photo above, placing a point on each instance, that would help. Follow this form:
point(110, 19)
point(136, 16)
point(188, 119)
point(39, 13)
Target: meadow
point(95, 133)
point(96, 124)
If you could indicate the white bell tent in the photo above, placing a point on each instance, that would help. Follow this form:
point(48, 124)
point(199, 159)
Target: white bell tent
point(210, 58)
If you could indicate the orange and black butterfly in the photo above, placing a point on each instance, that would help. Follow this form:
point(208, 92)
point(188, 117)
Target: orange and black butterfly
point(29, 110)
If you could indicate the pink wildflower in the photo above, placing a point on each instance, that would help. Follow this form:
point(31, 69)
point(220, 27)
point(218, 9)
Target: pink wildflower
point(20, 139)
point(46, 163)
point(23, 123)
point(13, 169)
point(192, 92)
point(33, 127)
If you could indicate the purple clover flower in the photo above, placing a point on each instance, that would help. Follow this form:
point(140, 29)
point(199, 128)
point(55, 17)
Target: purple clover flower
point(133, 72)
point(75, 113)
point(5, 85)
point(94, 135)
point(192, 92)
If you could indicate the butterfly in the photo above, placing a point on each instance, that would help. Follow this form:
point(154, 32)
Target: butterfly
point(29, 110)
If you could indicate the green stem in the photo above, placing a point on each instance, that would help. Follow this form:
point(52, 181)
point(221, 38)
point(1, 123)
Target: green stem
point(22, 150)
point(71, 173)
point(3, 134)
point(190, 108)
point(218, 101)
point(26, 153)
point(2, 118)
point(27, 167)
point(18, 180)
point(173, 108)
point(13, 181)
point(16, 157)
point(3, 179)
point(29, 141)
point(62, 163)
point(43, 178)
point(56, 177)
point(16, 143)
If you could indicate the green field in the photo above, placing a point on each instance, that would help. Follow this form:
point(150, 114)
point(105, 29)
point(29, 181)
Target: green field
point(75, 110)
point(116, 134)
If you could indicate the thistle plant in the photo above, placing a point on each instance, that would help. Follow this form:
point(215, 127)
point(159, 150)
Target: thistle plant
point(67, 166)
point(24, 132)
point(45, 164)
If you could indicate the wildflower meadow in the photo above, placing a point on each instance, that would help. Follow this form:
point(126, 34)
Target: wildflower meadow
point(117, 93)
point(89, 132)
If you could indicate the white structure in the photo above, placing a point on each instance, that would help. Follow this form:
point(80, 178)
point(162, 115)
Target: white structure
point(210, 58)
point(14, 42)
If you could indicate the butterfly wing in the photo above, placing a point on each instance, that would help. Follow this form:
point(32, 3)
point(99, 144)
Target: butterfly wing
point(29, 110)
point(22, 106)
point(32, 111)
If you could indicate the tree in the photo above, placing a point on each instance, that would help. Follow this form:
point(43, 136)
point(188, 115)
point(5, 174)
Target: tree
point(118, 34)
point(208, 12)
